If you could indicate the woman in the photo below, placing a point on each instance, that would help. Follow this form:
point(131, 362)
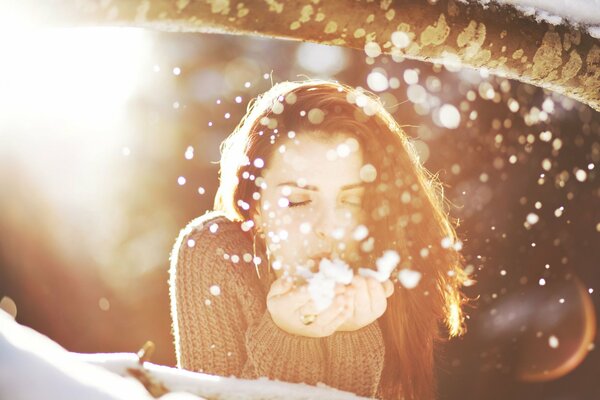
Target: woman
point(318, 174)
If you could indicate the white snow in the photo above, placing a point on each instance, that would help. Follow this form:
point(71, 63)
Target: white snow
point(409, 278)
point(322, 290)
point(577, 12)
point(385, 265)
point(337, 270)
point(34, 367)
point(360, 233)
point(321, 285)
point(594, 31)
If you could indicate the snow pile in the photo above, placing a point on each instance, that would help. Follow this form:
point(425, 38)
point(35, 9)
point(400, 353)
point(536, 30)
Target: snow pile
point(34, 367)
point(385, 265)
point(576, 12)
point(321, 285)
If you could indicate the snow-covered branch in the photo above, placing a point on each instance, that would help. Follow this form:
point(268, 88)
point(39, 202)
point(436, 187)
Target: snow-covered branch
point(507, 40)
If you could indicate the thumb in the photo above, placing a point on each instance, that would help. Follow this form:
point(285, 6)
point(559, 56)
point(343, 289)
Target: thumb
point(280, 286)
point(388, 288)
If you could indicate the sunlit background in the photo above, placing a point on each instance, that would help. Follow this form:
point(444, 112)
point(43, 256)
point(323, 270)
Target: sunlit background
point(109, 139)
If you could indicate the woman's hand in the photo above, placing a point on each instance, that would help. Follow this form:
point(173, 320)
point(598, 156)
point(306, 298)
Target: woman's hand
point(288, 304)
point(368, 302)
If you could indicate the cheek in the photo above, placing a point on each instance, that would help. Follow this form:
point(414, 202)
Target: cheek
point(352, 220)
point(302, 220)
point(297, 224)
point(286, 230)
point(353, 216)
point(294, 220)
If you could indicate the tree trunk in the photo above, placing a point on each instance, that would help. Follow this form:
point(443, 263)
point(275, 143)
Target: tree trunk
point(563, 58)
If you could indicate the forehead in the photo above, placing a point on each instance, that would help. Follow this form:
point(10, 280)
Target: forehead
point(323, 162)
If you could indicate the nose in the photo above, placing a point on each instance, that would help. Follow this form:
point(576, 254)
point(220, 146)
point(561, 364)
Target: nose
point(320, 233)
point(327, 223)
point(326, 243)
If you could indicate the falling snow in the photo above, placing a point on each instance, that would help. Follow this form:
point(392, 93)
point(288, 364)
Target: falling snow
point(215, 290)
point(409, 278)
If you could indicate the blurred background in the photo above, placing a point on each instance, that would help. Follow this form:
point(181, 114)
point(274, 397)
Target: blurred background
point(109, 143)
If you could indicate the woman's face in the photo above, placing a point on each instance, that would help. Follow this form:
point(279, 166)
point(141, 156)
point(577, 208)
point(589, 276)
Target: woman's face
point(312, 202)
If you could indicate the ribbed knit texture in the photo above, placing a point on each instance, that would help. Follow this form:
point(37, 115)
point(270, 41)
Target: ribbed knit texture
point(222, 327)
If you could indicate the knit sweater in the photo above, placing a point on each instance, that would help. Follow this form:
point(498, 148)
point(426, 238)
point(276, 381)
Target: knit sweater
point(222, 326)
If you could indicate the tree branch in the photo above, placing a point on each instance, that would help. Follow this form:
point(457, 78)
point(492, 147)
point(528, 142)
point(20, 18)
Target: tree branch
point(563, 58)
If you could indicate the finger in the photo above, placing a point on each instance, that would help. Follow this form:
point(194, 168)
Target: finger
point(279, 287)
point(375, 287)
point(293, 298)
point(359, 284)
point(362, 301)
point(338, 320)
point(378, 298)
point(341, 307)
point(340, 288)
point(309, 307)
point(299, 297)
point(388, 287)
point(376, 293)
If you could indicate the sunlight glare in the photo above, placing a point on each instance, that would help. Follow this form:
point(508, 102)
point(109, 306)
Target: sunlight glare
point(81, 72)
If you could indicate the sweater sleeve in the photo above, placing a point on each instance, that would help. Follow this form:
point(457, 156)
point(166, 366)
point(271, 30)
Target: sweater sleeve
point(207, 318)
point(220, 321)
point(356, 359)
point(277, 354)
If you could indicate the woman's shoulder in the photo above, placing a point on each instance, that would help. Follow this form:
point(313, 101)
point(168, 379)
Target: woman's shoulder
point(214, 233)
point(219, 246)
point(213, 224)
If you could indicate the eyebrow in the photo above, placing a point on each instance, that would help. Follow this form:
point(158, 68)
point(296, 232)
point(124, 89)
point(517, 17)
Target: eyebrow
point(316, 189)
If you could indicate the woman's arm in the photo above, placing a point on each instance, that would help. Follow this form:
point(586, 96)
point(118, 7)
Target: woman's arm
point(233, 334)
point(208, 321)
point(277, 354)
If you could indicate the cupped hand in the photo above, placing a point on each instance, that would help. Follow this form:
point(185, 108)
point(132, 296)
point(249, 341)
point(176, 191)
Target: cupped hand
point(287, 304)
point(368, 301)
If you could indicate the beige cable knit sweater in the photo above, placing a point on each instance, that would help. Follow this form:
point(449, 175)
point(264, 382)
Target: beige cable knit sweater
point(221, 324)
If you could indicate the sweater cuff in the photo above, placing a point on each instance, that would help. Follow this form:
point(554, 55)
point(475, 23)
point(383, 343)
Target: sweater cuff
point(277, 354)
point(355, 359)
point(368, 337)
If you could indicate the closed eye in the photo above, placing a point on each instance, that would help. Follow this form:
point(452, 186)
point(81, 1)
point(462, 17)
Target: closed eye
point(353, 200)
point(356, 203)
point(299, 204)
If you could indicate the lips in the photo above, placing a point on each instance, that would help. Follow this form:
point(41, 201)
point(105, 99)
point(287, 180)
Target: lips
point(319, 256)
point(313, 262)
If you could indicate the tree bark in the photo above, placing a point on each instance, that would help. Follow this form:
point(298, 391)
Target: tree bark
point(563, 58)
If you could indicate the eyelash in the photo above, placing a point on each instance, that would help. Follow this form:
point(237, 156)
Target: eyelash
point(302, 203)
point(299, 204)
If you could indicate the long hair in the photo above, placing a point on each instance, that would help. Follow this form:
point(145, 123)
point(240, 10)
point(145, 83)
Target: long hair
point(405, 209)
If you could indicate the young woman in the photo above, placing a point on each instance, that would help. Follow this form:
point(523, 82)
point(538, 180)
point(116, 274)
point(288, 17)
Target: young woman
point(316, 175)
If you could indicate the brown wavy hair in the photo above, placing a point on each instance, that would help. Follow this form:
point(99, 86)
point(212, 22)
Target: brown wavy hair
point(405, 211)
